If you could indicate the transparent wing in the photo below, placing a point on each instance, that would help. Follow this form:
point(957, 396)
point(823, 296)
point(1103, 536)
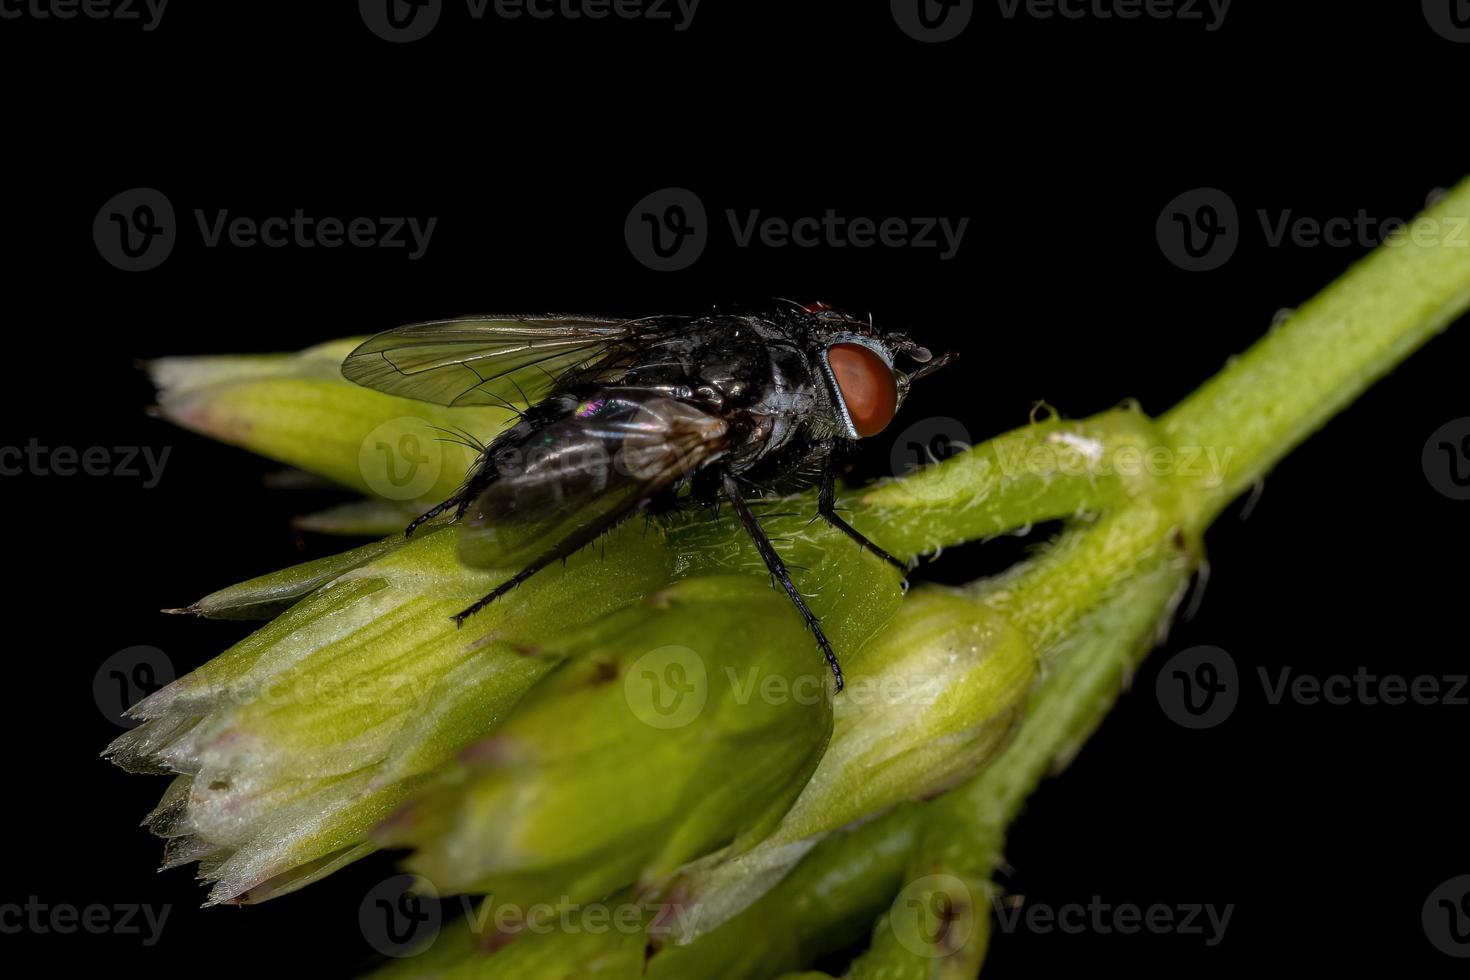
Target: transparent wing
point(498, 361)
point(572, 480)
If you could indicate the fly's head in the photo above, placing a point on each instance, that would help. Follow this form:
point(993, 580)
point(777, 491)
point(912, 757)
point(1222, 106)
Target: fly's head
point(868, 372)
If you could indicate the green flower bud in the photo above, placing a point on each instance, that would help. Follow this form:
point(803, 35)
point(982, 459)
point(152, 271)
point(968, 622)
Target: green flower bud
point(647, 748)
point(929, 702)
point(299, 410)
point(301, 738)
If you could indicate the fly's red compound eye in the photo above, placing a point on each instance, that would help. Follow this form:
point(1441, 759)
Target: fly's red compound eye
point(866, 386)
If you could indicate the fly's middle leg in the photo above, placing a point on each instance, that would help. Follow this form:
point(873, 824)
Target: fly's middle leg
point(827, 510)
point(777, 568)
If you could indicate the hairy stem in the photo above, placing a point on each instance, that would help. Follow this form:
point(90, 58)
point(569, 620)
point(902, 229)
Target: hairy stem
point(1314, 363)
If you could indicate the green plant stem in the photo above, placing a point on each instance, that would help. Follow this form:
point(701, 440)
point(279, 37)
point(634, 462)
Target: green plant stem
point(1313, 364)
point(1259, 407)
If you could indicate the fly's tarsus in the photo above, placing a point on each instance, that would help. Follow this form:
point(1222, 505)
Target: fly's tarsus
point(428, 515)
point(831, 518)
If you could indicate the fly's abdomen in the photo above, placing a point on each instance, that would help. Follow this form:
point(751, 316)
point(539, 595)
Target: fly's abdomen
point(574, 476)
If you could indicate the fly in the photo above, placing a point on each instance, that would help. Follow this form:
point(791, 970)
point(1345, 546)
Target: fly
point(627, 415)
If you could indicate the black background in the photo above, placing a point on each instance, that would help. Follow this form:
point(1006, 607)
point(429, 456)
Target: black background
point(1060, 140)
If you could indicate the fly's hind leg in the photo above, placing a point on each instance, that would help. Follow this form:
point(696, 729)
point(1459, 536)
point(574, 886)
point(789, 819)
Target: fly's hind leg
point(827, 510)
point(564, 548)
point(513, 581)
point(777, 568)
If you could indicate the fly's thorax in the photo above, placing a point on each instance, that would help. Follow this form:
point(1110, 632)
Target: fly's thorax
point(783, 407)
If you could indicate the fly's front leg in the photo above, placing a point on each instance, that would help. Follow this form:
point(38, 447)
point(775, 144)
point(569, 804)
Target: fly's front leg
point(430, 514)
point(777, 568)
point(827, 510)
point(480, 475)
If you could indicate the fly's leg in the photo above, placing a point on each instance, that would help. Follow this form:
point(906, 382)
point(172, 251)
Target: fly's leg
point(704, 487)
point(564, 548)
point(512, 582)
point(430, 514)
point(480, 476)
point(827, 510)
point(777, 568)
